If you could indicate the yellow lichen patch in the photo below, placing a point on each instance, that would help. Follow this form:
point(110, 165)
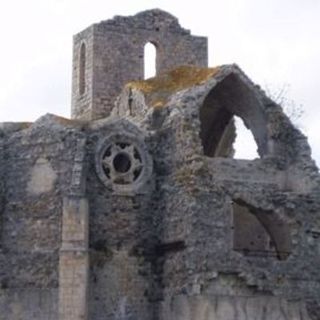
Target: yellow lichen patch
point(158, 89)
point(25, 125)
point(158, 104)
point(68, 122)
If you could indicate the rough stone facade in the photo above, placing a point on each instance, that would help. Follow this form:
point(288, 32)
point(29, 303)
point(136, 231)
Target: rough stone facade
point(143, 213)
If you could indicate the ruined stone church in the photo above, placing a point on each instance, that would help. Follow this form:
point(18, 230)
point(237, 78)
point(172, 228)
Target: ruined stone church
point(135, 209)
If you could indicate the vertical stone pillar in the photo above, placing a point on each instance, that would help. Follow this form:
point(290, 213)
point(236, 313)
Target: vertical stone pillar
point(74, 256)
point(74, 261)
point(2, 187)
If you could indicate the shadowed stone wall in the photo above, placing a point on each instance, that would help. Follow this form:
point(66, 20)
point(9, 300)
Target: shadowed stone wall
point(36, 167)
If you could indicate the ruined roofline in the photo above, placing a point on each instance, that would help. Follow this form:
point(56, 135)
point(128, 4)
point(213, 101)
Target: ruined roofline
point(149, 86)
point(159, 89)
point(153, 18)
point(157, 20)
point(12, 127)
point(47, 120)
point(202, 75)
point(217, 94)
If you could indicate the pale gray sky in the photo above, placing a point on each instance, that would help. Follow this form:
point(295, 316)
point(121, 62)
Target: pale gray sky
point(276, 42)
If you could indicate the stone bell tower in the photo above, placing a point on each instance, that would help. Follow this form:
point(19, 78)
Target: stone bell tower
point(109, 54)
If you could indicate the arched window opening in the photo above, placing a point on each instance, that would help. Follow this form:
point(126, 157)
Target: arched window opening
point(244, 145)
point(150, 58)
point(217, 130)
point(82, 69)
point(259, 233)
point(221, 115)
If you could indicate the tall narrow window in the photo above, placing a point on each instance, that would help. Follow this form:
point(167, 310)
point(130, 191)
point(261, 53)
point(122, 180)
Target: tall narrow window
point(150, 56)
point(82, 69)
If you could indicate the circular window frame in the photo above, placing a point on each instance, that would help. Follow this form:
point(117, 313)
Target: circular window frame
point(132, 184)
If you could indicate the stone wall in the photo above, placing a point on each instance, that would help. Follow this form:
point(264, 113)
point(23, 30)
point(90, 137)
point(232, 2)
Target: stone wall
point(200, 271)
point(120, 275)
point(134, 217)
point(36, 167)
point(161, 246)
point(2, 185)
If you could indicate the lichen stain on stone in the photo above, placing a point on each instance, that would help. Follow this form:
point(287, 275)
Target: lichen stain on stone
point(158, 89)
point(42, 178)
point(17, 311)
point(68, 122)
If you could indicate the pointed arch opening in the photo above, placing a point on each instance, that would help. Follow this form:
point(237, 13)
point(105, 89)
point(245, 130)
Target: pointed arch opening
point(224, 106)
point(82, 69)
point(150, 60)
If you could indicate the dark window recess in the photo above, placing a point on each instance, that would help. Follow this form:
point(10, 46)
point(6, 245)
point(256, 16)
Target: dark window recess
point(82, 69)
point(314, 233)
point(164, 248)
point(259, 233)
point(122, 162)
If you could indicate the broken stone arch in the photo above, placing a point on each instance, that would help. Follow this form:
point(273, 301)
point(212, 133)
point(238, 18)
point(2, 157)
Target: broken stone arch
point(218, 109)
point(214, 96)
point(233, 94)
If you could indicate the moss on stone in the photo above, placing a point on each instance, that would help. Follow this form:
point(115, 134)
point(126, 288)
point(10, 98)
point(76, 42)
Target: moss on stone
point(25, 125)
point(158, 89)
point(68, 122)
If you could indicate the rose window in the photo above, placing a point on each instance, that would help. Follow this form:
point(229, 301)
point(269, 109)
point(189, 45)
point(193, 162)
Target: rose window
point(122, 163)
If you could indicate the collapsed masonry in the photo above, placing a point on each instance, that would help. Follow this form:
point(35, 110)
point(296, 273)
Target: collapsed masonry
point(140, 211)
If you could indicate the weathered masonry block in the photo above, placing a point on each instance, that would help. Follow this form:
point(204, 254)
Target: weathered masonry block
point(136, 209)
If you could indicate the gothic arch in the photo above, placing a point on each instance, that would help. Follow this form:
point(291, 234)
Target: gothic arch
point(228, 98)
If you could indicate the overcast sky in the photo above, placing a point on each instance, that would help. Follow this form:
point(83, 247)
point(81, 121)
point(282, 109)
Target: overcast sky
point(276, 42)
